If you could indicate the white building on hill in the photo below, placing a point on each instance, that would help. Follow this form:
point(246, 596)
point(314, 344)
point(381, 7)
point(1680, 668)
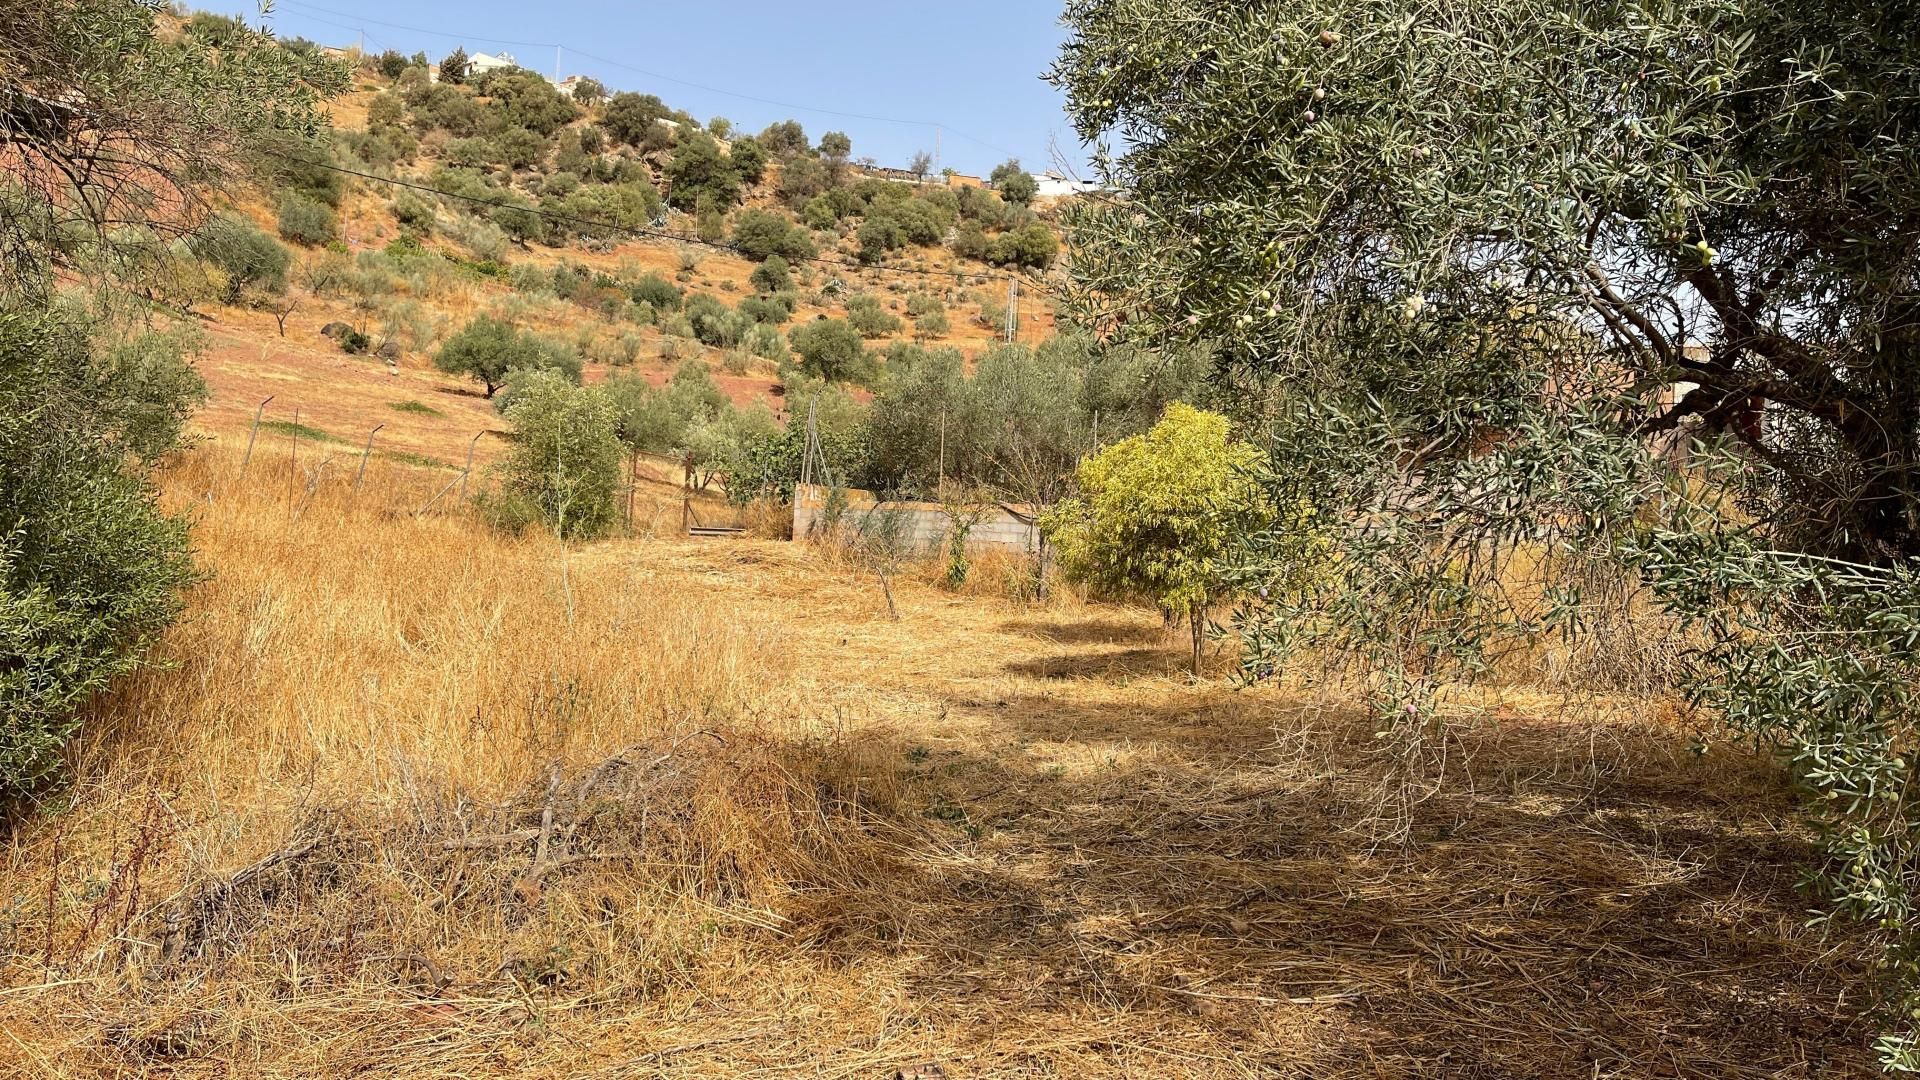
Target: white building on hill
point(1054, 185)
point(480, 63)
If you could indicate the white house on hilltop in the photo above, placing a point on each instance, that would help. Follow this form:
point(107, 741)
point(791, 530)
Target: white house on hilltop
point(480, 63)
point(1054, 185)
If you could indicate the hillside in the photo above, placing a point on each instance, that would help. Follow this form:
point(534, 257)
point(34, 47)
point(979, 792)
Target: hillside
point(381, 240)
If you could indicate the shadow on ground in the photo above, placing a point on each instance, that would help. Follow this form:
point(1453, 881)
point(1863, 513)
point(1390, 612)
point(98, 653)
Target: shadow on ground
point(1550, 910)
point(1119, 663)
point(1090, 632)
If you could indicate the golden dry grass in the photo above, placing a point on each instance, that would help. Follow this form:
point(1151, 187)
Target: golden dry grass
point(413, 798)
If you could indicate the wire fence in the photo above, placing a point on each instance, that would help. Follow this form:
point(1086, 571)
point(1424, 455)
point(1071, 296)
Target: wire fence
point(287, 461)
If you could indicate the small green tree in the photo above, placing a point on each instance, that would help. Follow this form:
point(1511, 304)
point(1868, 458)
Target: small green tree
point(929, 316)
point(818, 214)
point(628, 117)
point(304, 221)
point(1013, 183)
point(1031, 245)
point(830, 349)
point(453, 68)
point(523, 99)
point(773, 309)
point(749, 160)
point(785, 140)
point(870, 317)
point(490, 349)
point(878, 235)
point(564, 468)
point(657, 292)
point(699, 169)
point(520, 148)
point(835, 149)
point(771, 276)
point(90, 568)
point(801, 179)
point(589, 91)
point(247, 257)
point(762, 234)
point(1158, 514)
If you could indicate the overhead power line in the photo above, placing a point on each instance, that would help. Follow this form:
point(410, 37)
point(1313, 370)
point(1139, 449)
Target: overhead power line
point(632, 230)
point(418, 29)
point(907, 122)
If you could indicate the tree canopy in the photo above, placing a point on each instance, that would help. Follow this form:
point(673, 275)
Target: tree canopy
point(117, 134)
point(1013, 183)
point(1483, 272)
point(1156, 515)
point(830, 350)
point(564, 466)
point(490, 349)
point(698, 170)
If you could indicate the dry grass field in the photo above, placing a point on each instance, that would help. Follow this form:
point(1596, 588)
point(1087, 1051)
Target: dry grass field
point(408, 797)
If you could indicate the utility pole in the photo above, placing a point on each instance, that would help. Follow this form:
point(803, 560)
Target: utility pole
point(936, 148)
point(556, 65)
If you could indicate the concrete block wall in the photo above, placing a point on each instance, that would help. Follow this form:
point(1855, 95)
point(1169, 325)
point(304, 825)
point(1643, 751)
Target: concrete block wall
point(925, 524)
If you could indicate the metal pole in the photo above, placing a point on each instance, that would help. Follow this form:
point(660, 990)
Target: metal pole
point(941, 486)
point(256, 431)
point(364, 453)
point(633, 481)
point(436, 496)
point(469, 468)
point(293, 463)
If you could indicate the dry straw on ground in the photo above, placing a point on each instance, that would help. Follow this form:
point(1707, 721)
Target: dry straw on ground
point(411, 798)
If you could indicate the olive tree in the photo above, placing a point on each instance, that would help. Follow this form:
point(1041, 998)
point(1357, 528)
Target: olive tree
point(831, 350)
point(117, 137)
point(90, 568)
point(453, 66)
point(1485, 271)
point(699, 169)
point(1013, 183)
point(564, 468)
point(589, 91)
point(835, 149)
point(490, 349)
point(628, 116)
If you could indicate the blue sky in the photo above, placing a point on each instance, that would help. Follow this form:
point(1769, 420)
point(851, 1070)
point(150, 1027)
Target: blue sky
point(971, 65)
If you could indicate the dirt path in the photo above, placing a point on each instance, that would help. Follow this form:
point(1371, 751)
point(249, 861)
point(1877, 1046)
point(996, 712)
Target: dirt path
point(1123, 873)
